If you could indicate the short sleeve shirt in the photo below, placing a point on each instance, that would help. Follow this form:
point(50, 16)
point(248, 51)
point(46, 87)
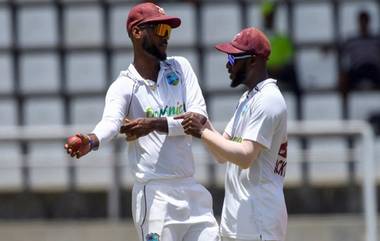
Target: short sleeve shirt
point(254, 205)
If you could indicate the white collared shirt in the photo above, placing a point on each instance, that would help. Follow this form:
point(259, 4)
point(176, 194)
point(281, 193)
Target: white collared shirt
point(156, 155)
point(254, 206)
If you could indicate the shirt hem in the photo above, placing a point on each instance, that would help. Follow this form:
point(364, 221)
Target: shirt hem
point(235, 236)
point(248, 236)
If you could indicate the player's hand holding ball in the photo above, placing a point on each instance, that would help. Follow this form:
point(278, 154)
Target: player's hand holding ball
point(78, 145)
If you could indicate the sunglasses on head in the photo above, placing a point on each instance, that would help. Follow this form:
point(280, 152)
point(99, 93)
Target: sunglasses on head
point(162, 30)
point(232, 59)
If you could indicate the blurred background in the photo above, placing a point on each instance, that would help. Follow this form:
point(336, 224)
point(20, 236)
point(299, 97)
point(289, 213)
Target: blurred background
point(58, 57)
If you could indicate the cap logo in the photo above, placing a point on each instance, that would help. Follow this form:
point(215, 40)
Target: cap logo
point(236, 37)
point(161, 10)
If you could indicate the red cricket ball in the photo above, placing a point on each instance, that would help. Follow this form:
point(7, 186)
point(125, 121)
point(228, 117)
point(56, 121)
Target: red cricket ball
point(74, 143)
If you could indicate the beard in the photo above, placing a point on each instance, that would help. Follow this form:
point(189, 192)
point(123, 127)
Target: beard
point(153, 50)
point(238, 78)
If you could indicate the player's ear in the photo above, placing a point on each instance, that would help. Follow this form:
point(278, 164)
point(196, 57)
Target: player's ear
point(136, 32)
point(253, 60)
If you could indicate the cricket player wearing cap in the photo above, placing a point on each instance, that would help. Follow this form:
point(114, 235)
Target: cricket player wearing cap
point(168, 204)
point(253, 146)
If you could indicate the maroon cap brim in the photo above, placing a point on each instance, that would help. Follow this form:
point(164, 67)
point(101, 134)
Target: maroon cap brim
point(228, 48)
point(174, 22)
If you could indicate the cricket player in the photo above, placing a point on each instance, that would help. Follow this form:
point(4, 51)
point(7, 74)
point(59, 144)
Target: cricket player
point(168, 204)
point(253, 146)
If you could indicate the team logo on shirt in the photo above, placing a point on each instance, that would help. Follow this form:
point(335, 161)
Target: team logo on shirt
point(152, 237)
point(172, 78)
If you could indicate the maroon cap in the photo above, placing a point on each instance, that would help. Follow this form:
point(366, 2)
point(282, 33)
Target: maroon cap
point(148, 13)
point(249, 40)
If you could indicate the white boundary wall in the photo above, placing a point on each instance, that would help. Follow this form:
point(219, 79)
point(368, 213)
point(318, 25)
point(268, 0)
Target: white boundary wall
point(367, 139)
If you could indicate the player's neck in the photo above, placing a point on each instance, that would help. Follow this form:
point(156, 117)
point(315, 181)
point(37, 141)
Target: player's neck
point(147, 68)
point(257, 79)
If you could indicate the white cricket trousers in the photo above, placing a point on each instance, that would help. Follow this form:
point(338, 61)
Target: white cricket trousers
point(173, 210)
point(231, 239)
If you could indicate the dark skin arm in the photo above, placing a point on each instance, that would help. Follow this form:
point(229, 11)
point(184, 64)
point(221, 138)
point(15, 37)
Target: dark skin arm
point(139, 127)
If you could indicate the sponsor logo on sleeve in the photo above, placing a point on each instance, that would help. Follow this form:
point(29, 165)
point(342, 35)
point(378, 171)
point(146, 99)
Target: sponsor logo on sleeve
point(280, 168)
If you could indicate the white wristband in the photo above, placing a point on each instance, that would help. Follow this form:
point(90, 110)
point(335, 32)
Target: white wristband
point(175, 127)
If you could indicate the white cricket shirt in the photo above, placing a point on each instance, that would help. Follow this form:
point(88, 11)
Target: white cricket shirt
point(156, 155)
point(254, 206)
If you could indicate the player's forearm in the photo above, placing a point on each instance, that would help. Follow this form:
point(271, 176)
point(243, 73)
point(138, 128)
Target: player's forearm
point(160, 124)
point(217, 156)
point(226, 149)
point(113, 115)
point(214, 153)
point(106, 129)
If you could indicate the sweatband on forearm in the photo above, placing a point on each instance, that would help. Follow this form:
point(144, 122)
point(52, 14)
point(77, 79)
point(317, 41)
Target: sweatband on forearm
point(174, 127)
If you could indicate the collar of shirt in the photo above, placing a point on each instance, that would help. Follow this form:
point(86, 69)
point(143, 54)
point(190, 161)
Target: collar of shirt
point(260, 86)
point(137, 77)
